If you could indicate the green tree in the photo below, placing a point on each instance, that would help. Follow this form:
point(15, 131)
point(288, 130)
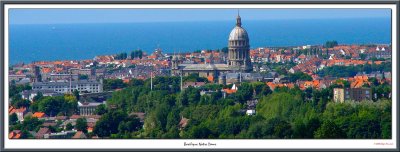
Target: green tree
point(244, 92)
point(18, 102)
point(278, 128)
point(137, 54)
point(109, 122)
point(121, 56)
point(38, 97)
point(31, 123)
point(13, 118)
point(69, 126)
point(83, 76)
point(329, 130)
point(173, 119)
point(225, 49)
point(101, 109)
point(299, 76)
point(111, 84)
point(132, 123)
point(81, 125)
point(76, 94)
point(331, 44)
point(266, 90)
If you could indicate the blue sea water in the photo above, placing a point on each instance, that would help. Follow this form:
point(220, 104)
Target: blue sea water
point(84, 41)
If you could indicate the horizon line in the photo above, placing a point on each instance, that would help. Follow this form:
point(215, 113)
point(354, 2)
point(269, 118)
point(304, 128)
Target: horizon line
point(193, 21)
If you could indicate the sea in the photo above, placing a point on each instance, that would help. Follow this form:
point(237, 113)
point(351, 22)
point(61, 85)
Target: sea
point(37, 42)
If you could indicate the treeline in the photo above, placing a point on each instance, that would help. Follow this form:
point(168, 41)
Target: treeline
point(134, 54)
point(351, 71)
point(15, 96)
point(66, 105)
point(282, 113)
point(330, 44)
point(293, 77)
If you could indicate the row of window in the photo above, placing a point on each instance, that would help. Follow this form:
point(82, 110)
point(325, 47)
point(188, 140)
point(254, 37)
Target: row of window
point(238, 43)
point(40, 87)
point(239, 54)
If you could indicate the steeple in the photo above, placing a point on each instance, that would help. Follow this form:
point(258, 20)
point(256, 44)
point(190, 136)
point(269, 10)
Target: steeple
point(238, 20)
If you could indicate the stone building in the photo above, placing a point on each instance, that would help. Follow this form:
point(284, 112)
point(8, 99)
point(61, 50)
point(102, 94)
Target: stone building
point(67, 87)
point(356, 94)
point(238, 58)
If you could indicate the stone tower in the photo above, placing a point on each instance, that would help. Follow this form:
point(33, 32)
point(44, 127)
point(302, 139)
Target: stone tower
point(239, 47)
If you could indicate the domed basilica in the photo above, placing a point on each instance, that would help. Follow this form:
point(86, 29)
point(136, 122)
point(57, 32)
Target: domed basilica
point(238, 59)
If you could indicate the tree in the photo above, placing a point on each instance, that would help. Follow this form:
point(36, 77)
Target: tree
point(109, 122)
point(363, 56)
point(81, 125)
point(13, 118)
point(121, 56)
point(53, 105)
point(14, 90)
point(299, 76)
point(244, 92)
point(101, 109)
point(329, 130)
point(266, 90)
point(132, 123)
point(278, 128)
point(173, 120)
point(76, 94)
point(18, 102)
point(136, 82)
point(25, 134)
point(111, 84)
point(69, 126)
point(311, 126)
point(38, 96)
point(31, 123)
point(225, 49)
point(137, 54)
point(331, 44)
point(83, 77)
point(199, 132)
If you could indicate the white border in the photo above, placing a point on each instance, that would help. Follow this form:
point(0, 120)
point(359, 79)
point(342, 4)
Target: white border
point(179, 143)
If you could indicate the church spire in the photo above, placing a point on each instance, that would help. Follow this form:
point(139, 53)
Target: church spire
point(238, 20)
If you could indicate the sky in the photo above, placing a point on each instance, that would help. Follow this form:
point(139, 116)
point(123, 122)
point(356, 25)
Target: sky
point(62, 16)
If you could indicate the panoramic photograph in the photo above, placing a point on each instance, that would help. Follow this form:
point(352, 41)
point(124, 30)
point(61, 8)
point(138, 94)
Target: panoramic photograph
point(222, 73)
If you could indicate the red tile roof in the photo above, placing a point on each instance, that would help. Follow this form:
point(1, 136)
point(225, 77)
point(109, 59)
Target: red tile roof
point(39, 114)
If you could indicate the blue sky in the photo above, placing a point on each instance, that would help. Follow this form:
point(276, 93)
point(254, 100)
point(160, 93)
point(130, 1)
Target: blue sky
point(59, 16)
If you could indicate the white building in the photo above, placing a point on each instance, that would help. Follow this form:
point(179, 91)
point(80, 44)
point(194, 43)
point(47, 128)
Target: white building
point(30, 94)
point(65, 87)
point(88, 108)
point(250, 112)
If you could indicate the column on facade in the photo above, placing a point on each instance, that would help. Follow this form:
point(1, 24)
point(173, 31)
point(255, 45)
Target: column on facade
point(236, 54)
point(91, 111)
point(241, 55)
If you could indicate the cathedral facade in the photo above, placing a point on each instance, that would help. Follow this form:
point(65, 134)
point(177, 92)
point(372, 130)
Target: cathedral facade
point(238, 59)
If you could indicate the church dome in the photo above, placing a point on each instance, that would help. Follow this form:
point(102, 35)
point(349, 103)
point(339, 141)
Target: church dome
point(238, 33)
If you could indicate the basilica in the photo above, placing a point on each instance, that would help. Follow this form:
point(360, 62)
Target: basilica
point(238, 59)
